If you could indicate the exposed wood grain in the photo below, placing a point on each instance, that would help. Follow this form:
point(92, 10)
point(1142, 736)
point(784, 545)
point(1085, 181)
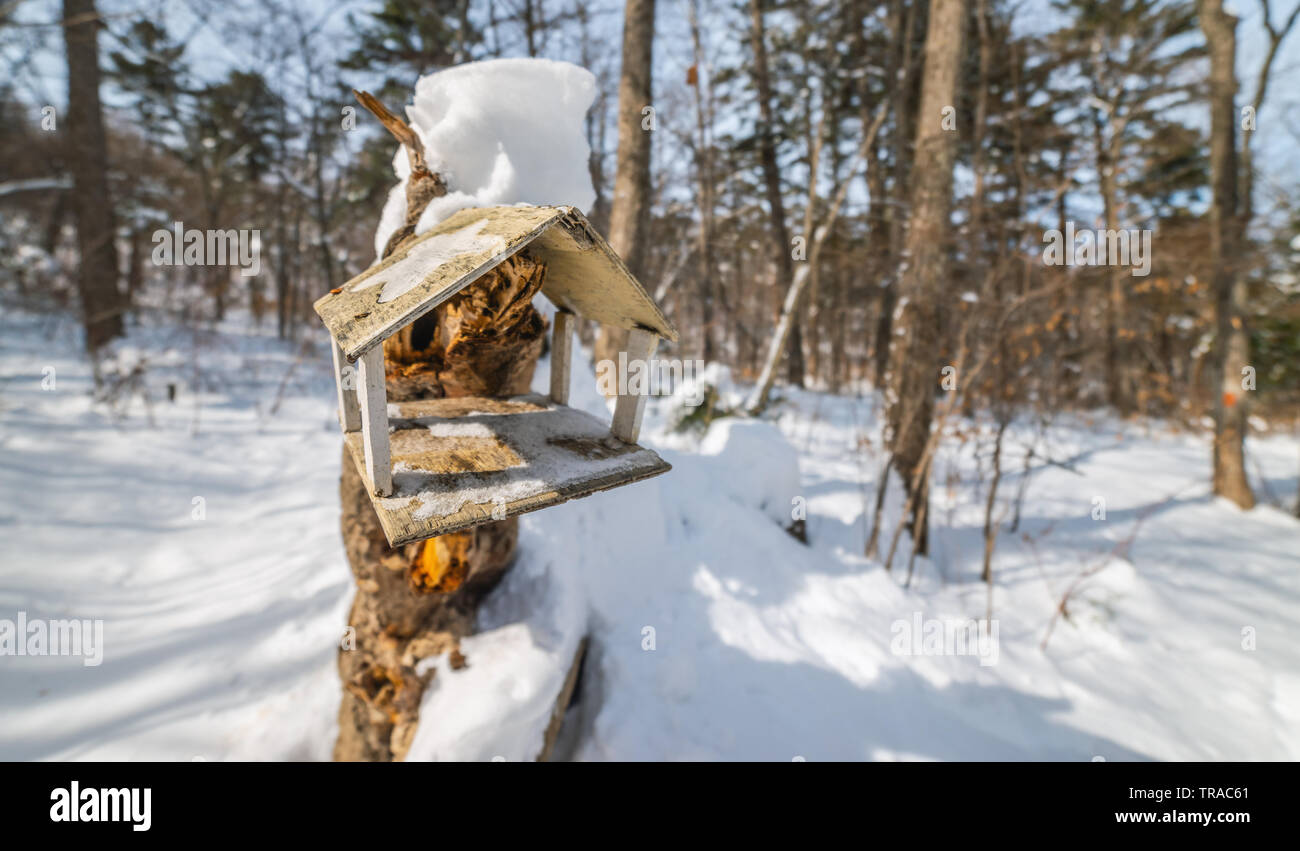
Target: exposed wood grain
point(462, 406)
point(377, 464)
point(561, 356)
point(420, 450)
point(630, 407)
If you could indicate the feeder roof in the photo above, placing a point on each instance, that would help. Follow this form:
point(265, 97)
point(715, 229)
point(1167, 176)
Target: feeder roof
point(583, 274)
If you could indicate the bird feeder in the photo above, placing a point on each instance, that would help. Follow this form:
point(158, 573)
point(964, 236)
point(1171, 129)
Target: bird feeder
point(436, 466)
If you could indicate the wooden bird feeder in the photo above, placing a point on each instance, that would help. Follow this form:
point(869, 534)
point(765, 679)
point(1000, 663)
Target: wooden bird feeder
point(440, 465)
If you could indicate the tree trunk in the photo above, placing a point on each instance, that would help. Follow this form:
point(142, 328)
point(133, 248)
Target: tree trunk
point(902, 17)
point(1116, 354)
point(708, 279)
point(629, 216)
point(772, 175)
point(1232, 352)
point(912, 368)
point(418, 600)
point(97, 273)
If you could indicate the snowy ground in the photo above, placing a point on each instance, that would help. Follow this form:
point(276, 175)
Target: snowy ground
point(715, 635)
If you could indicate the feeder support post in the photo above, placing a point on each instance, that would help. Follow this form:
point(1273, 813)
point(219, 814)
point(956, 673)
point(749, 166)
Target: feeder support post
point(630, 407)
point(561, 356)
point(349, 410)
point(373, 398)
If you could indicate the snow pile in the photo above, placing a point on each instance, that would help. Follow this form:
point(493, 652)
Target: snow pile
point(498, 707)
point(504, 131)
point(732, 445)
point(710, 386)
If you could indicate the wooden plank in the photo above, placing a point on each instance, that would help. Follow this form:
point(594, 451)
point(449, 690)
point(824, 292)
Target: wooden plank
point(373, 399)
point(492, 450)
point(345, 374)
point(561, 356)
point(583, 275)
point(562, 703)
point(630, 407)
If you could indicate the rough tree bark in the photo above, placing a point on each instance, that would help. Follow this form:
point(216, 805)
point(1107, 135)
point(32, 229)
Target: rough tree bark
point(101, 299)
point(629, 216)
point(912, 378)
point(418, 600)
point(1232, 353)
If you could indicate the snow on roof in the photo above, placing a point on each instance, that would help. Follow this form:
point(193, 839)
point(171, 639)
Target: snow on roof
point(503, 131)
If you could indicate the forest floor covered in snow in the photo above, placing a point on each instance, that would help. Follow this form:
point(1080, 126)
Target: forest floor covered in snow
point(203, 531)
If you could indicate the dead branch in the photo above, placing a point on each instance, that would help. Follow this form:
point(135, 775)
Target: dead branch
point(402, 132)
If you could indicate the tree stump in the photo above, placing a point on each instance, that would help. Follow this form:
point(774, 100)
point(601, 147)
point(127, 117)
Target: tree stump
point(420, 599)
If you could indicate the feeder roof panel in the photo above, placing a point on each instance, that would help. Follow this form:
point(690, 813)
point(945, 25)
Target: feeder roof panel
point(583, 274)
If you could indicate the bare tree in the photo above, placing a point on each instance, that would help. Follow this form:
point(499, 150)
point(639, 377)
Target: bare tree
point(705, 196)
point(1275, 34)
point(629, 216)
point(772, 176)
point(87, 152)
point(912, 377)
point(1233, 343)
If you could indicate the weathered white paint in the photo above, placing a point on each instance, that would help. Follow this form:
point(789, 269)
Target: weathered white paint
point(349, 408)
point(373, 398)
point(630, 407)
point(561, 356)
